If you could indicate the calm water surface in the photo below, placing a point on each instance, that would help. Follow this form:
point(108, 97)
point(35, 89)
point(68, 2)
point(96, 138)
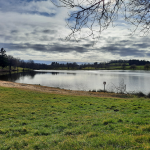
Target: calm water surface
point(85, 80)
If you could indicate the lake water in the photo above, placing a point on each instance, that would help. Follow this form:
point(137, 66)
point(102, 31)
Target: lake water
point(85, 80)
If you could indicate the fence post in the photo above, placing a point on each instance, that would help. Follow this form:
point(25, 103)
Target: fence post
point(104, 85)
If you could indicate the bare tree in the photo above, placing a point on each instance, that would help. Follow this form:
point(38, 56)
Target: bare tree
point(17, 62)
point(10, 61)
point(31, 64)
point(147, 66)
point(133, 67)
point(117, 89)
point(123, 66)
point(91, 14)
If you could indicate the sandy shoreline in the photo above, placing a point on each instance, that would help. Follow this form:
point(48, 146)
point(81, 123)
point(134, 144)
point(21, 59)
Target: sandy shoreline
point(55, 90)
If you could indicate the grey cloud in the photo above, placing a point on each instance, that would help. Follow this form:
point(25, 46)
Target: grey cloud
point(110, 48)
point(46, 31)
point(46, 38)
point(87, 45)
point(118, 48)
point(14, 31)
point(28, 6)
point(93, 57)
point(142, 45)
point(128, 47)
point(49, 31)
point(148, 54)
point(122, 51)
point(42, 13)
point(126, 42)
point(57, 48)
point(66, 49)
point(132, 52)
point(141, 42)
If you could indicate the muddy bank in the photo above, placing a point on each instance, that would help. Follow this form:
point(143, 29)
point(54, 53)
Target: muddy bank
point(57, 90)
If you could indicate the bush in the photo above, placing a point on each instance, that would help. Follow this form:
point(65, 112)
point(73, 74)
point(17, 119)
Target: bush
point(140, 94)
point(93, 90)
point(148, 95)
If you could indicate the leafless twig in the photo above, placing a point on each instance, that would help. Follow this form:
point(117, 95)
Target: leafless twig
point(98, 15)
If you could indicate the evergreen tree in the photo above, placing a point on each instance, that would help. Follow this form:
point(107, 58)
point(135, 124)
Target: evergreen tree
point(3, 58)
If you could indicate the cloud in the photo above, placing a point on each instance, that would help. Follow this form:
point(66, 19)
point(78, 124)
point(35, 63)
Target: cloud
point(125, 48)
point(45, 48)
point(142, 45)
point(49, 31)
point(25, 6)
point(36, 29)
point(14, 31)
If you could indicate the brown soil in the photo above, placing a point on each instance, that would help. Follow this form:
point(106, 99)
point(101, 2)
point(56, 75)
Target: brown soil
point(57, 90)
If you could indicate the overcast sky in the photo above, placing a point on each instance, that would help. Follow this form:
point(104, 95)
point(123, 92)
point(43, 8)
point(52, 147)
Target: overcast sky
point(36, 29)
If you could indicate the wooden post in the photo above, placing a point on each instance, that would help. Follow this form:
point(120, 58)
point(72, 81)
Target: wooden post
point(104, 85)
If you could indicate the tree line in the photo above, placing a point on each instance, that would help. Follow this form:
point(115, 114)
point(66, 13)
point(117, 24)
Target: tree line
point(13, 63)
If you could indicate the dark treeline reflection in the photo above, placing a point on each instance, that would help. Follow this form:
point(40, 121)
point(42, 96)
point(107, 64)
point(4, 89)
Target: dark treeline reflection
point(16, 76)
point(44, 72)
point(56, 73)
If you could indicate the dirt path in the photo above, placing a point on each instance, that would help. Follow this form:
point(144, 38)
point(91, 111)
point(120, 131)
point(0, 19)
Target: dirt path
point(55, 90)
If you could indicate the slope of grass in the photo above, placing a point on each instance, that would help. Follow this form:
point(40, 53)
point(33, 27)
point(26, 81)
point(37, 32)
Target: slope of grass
point(34, 120)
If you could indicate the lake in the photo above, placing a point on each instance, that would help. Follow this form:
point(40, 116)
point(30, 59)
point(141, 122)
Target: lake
point(133, 81)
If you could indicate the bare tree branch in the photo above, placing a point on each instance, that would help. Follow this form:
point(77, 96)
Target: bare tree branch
point(93, 14)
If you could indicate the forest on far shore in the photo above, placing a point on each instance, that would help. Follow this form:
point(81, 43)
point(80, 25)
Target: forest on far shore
point(10, 63)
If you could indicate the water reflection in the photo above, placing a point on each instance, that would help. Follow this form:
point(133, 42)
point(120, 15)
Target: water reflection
point(16, 76)
point(83, 80)
point(55, 73)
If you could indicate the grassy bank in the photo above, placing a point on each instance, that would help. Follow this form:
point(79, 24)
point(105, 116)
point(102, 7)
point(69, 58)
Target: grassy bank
point(34, 120)
point(111, 67)
point(14, 70)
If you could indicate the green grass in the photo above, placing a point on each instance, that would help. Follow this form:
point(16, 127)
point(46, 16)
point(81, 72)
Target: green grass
point(14, 70)
point(119, 64)
point(34, 120)
point(111, 67)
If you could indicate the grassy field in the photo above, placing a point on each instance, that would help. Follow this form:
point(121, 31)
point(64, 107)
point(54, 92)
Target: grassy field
point(14, 70)
point(111, 67)
point(34, 120)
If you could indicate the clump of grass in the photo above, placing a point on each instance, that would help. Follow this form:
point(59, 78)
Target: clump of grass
point(40, 145)
point(106, 122)
point(146, 128)
point(91, 134)
point(120, 120)
point(41, 133)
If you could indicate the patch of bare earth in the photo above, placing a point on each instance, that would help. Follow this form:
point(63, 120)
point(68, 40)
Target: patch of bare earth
point(55, 90)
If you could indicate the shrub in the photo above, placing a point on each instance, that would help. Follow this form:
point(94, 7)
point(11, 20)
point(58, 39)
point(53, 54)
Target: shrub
point(148, 95)
point(101, 90)
point(93, 90)
point(140, 94)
